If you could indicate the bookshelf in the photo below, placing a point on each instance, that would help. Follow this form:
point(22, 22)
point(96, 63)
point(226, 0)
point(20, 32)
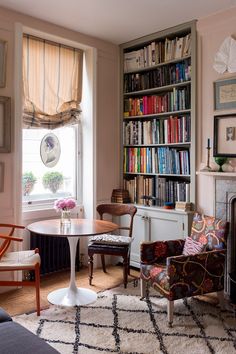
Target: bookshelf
point(158, 115)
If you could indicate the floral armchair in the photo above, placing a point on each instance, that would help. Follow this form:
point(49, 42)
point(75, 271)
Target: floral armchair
point(176, 275)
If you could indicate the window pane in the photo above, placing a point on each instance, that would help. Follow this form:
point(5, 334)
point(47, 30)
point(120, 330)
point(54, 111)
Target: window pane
point(49, 164)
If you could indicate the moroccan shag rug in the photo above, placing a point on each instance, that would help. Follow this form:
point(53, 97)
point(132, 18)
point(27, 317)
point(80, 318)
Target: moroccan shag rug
point(118, 322)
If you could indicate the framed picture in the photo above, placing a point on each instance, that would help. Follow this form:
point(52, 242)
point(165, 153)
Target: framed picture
point(225, 136)
point(3, 56)
point(50, 150)
point(1, 177)
point(5, 124)
point(225, 94)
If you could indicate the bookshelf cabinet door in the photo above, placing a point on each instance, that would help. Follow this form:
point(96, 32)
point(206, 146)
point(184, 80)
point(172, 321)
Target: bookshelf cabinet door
point(169, 225)
point(141, 233)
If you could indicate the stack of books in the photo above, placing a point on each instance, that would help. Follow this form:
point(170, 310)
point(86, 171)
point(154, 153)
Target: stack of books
point(120, 196)
point(184, 206)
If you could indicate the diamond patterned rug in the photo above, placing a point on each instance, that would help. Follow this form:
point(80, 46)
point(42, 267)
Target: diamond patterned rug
point(118, 322)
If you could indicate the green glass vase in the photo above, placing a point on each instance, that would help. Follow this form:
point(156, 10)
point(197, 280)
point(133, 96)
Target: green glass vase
point(220, 162)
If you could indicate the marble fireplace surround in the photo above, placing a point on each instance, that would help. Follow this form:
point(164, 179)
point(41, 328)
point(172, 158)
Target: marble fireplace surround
point(224, 207)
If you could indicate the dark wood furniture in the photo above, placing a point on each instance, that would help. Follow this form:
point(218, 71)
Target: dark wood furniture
point(19, 261)
point(116, 248)
point(72, 295)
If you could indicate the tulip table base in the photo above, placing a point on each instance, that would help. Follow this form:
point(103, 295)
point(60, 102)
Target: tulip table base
point(72, 296)
point(69, 297)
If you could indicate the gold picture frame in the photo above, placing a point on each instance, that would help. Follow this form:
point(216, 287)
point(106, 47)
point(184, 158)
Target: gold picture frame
point(5, 124)
point(225, 94)
point(3, 61)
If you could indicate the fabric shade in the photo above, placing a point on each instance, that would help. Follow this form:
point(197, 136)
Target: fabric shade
point(52, 83)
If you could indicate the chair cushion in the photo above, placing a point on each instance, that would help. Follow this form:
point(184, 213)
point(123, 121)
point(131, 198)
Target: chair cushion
point(19, 259)
point(111, 240)
point(193, 247)
point(209, 230)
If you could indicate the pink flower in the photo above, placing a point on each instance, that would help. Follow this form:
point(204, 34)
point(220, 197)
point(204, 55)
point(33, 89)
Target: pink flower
point(70, 203)
point(64, 204)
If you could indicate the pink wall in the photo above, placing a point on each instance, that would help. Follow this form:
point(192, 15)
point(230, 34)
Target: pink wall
point(212, 30)
point(107, 134)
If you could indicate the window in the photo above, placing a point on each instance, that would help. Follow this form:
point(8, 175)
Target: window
point(49, 170)
point(52, 81)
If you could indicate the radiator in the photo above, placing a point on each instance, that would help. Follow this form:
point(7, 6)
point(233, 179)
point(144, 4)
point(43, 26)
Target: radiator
point(54, 253)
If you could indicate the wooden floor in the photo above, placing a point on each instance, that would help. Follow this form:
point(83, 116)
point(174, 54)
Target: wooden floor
point(23, 300)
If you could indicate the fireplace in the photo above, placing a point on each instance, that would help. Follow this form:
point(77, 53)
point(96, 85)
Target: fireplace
point(225, 208)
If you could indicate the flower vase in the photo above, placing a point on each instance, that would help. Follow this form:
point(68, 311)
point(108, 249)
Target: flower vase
point(65, 217)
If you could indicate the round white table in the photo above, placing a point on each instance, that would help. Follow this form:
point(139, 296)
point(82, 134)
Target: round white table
point(72, 295)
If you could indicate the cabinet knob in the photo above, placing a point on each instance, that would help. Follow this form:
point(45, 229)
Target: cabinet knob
point(145, 218)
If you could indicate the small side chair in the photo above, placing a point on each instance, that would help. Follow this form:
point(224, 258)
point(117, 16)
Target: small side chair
point(19, 261)
point(114, 245)
point(185, 268)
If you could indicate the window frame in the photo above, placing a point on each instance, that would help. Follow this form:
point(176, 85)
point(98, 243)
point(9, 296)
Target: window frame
point(42, 204)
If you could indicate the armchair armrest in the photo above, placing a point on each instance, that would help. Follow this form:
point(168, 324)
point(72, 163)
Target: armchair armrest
point(202, 272)
point(157, 251)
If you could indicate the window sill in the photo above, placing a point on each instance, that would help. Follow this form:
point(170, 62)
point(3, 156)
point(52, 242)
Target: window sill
point(47, 212)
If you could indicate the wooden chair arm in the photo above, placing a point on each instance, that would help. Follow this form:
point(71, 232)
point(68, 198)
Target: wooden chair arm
point(12, 225)
point(11, 238)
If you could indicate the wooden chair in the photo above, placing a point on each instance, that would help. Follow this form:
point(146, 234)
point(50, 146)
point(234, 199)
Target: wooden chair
point(177, 272)
point(114, 245)
point(19, 261)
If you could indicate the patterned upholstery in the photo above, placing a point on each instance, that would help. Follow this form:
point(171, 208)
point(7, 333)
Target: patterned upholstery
point(209, 230)
point(175, 275)
point(110, 240)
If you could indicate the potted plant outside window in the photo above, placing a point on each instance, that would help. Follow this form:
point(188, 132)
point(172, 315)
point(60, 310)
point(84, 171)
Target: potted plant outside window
point(28, 182)
point(53, 181)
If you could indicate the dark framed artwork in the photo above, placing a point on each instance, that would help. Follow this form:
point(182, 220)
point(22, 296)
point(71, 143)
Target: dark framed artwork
point(225, 135)
point(5, 124)
point(225, 94)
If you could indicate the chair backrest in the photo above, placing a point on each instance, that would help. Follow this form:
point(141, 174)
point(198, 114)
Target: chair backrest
point(8, 229)
point(210, 231)
point(118, 210)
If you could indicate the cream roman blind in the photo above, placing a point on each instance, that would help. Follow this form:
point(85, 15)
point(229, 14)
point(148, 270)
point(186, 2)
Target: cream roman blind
point(52, 83)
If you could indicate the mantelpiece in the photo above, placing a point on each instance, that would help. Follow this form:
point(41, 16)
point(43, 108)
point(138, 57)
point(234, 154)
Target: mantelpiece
point(217, 174)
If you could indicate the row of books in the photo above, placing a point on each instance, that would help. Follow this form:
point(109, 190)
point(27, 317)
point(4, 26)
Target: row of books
point(156, 191)
point(176, 100)
point(174, 129)
point(158, 52)
point(162, 160)
point(161, 76)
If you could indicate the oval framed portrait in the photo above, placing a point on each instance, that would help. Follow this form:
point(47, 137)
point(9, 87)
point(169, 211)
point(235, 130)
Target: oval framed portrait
point(50, 150)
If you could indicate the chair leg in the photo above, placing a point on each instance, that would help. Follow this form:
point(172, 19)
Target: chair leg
point(125, 270)
point(170, 312)
point(90, 262)
point(103, 263)
point(129, 265)
point(37, 286)
point(143, 288)
point(220, 295)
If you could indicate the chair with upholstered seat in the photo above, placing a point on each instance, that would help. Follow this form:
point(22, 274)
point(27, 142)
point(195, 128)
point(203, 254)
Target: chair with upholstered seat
point(113, 245)
point(184, 268)
point(19, 261)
